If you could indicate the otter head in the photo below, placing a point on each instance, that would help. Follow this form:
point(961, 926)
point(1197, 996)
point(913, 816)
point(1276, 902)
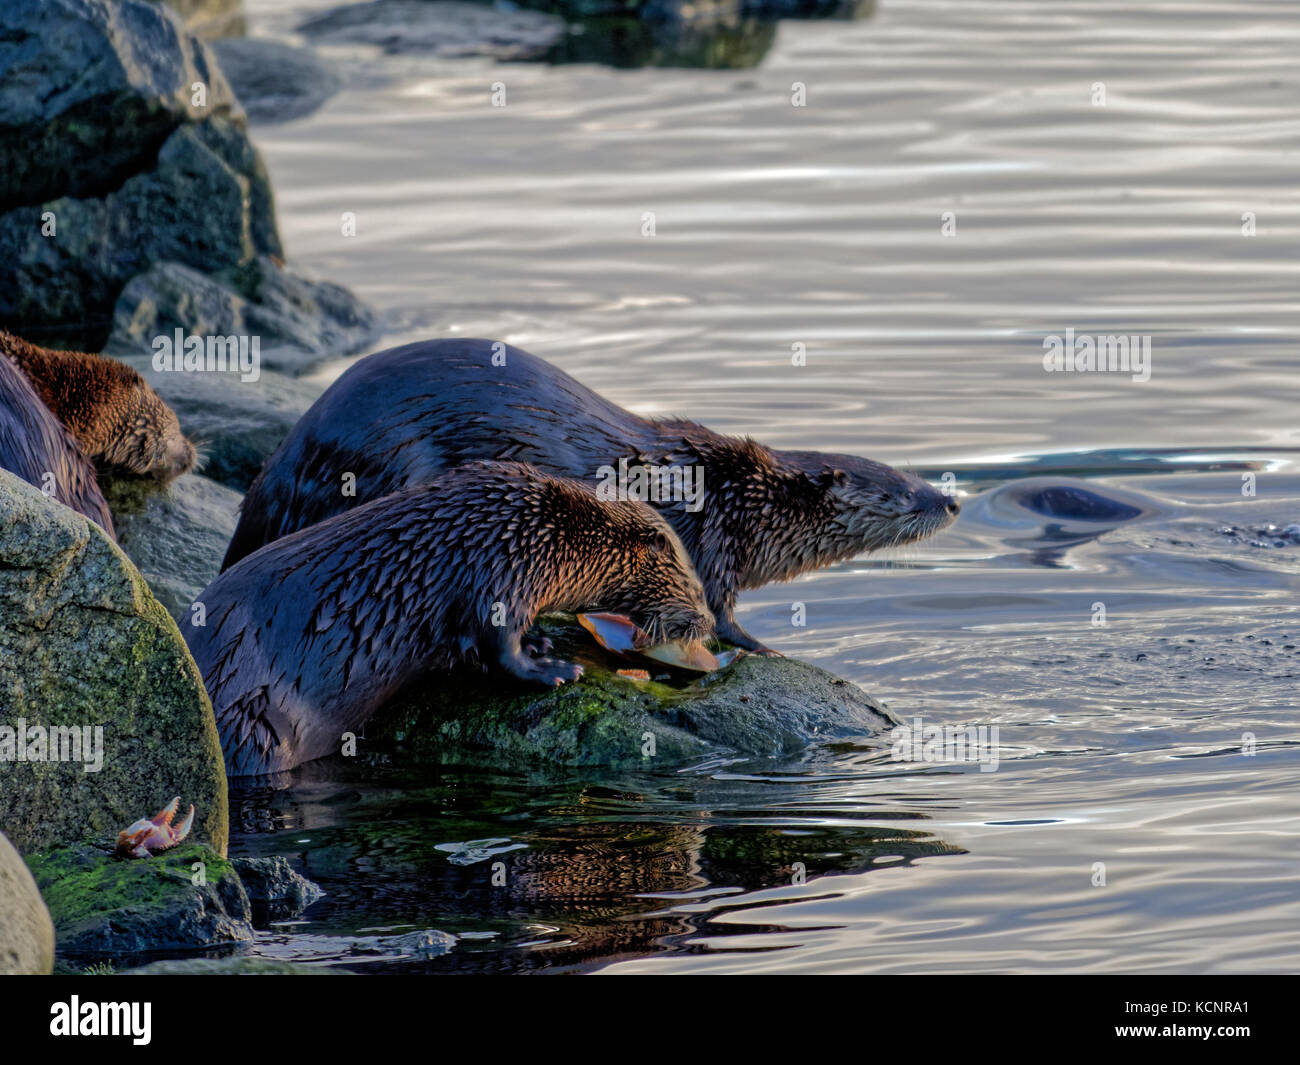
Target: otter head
point(772, 515)
point(876, 505)
point(663, 596)
point(116, 418)
point(659, 604)
point(136, 431)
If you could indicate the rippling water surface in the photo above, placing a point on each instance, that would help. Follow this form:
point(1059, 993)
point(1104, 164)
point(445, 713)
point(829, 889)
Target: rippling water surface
point(1124, 743)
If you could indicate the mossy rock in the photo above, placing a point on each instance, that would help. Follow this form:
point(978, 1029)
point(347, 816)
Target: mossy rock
point(85, 645)
point(104, 905)
point(26, 934)
point(754, 707)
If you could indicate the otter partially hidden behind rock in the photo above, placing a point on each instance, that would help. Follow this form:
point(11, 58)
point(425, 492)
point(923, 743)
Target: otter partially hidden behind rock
point(117, 419)
point(35, 446)
point(308, 637)
point(402, 416)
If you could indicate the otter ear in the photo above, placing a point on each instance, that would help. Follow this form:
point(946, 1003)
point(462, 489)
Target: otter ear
point(657, 540)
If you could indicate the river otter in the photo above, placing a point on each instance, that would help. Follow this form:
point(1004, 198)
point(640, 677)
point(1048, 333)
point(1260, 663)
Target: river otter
point(307, 637)
point(118, 420)
point(402, 416)
point(37, 448)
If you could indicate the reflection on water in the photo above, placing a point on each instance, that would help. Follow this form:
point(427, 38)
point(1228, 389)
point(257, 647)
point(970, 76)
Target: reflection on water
point(1159, 745)
point(589, 869)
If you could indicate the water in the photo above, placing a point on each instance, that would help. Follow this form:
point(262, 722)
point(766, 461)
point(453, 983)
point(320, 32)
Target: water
point(1120, 743)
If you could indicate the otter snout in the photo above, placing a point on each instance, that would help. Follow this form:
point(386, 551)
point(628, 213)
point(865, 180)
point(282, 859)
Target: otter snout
point(934, 505)
point(179, 457)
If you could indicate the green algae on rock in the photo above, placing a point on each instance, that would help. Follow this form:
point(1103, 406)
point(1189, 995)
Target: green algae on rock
point(756, 706)
point(186, 898)
point(88, 654)
point(26, 932)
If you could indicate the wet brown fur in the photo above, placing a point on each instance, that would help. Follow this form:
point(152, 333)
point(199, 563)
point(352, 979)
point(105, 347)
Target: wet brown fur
point(119, 421)
point(307, 637)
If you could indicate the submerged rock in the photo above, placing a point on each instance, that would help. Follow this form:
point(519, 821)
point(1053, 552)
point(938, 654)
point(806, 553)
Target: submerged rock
point(1050, 516)
point(186, 898)
point(448, 29)
point(754, 707)
point(275, 891)
point(732, 42)
point(26, 931)
point(236, 965)
point(713, 10)
point(176, 535)
point(275, 81)
point(92, 668)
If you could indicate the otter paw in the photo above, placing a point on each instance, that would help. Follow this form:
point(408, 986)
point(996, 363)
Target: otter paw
point(552, 672)
point(536, 646)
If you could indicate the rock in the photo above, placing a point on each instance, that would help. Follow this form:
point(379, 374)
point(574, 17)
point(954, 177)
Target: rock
point(207, 205)
point(701, 10)
point(85, 646)
point(754, 707)
point(176, 535)
point(275, 891)
point(299, 323)
point(349, 946)
point(211, 19)
point(127, 63)
point(26, 931)
point(237, 965)
point(1051, 515)
point(101, 905)
point(429, 943)
point(158, 181)
point(447, 29)
point(733, 42)
point(275, 81)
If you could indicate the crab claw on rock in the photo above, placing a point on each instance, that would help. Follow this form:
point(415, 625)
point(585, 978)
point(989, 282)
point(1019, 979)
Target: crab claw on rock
point(618, 634)
point(146, 837)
